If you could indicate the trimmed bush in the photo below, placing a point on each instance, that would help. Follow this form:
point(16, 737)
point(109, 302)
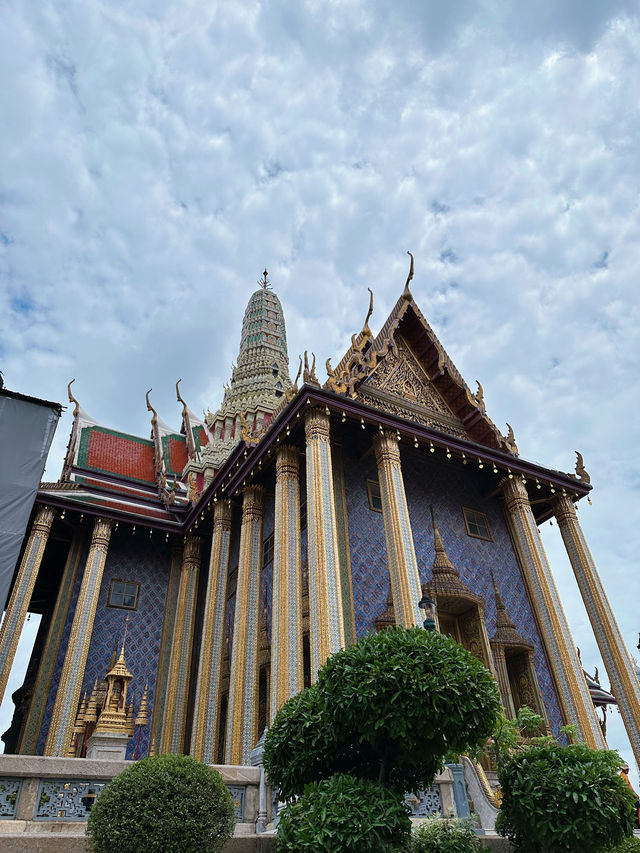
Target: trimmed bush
point(629, 845)
point(343, 815)
point(560, 798)
point(164, 804)
point(444, 835)
point(389, 708)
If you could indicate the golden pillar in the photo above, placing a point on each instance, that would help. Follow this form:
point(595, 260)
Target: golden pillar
point(624, 682)
point(574, 695)
point(75, 659)
point(242, 710)
point(29, 737)
point(181, 649)
point(18, 605)
point(326, 621)
point(206, 714)
point(403, 567)
point(286, 613)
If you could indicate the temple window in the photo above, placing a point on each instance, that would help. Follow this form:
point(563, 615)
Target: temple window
point(274, 368)
point(267, 550)
point(124, 594)
point(375, 498)
point(477, 524)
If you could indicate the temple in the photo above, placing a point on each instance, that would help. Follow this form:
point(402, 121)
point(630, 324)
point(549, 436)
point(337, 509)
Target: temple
point(242, 548)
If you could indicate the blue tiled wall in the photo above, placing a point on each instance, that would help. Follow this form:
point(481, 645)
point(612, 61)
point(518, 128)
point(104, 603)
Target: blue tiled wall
point(131, 558)
point(430, 479)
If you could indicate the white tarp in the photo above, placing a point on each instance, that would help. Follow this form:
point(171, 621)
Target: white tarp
point(27, 426)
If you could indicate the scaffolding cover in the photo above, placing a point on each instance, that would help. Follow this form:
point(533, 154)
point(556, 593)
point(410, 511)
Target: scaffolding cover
point(27, 426)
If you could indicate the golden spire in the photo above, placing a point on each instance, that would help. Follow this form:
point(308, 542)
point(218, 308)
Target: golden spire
point(142, 718)
point(91, 713)
point(130, 725)
point(387, 619)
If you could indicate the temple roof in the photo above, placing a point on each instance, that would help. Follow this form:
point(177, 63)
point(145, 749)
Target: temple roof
point(405, 370)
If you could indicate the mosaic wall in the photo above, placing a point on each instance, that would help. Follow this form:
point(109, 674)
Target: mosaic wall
point(131, 558)
point(431, 480)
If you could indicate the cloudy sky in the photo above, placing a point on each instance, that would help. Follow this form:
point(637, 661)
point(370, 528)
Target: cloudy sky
point(157, 155)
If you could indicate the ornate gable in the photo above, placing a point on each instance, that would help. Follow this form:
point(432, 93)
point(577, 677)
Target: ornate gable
point(400, 385)
point(406, 371)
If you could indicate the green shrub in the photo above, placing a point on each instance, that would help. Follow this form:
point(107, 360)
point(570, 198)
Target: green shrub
point(164, 804)
point(444, 835)
point(389, 708)
point(343, 815)
point(559, 798)
point(629, 845)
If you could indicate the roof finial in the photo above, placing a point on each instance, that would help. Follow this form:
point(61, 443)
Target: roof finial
point(264, 281)
point(150, 407)
point(407, 293)
point(365, 329)
point(72, 399)
point(179, 397)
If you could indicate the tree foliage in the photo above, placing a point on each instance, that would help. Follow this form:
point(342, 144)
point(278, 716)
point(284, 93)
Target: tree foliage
point(343, 814)
point(389, 708)
point(164, 804)
point(559, 798)
point(444, 835)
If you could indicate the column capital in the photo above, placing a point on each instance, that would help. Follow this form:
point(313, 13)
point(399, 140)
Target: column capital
point(252, 502)
point(287, 465)
point(192, 549)
point(385, 447)
point(222, 515)
point(317, 424)
point(43, 520)
point(515, 493)
point(101, 535)
point(563, 509)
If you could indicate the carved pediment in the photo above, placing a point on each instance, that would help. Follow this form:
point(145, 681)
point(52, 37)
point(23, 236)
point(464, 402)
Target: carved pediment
point(400, 386)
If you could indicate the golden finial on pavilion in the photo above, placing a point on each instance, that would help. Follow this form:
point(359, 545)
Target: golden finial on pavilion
point(179, 396)
point(154, 419)
point(510, 441)
point(479, 395)
point(406, 292)
point(72, 399)
point(91, 714)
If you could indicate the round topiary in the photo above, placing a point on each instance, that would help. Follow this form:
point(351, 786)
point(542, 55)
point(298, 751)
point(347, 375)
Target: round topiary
point(409, 696)
point(558, 798)
point(343, 815)
point(444, 835)
point(164, 804)
point(389, 708)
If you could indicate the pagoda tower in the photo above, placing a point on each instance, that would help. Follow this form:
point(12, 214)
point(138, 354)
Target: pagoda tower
point(259, 381)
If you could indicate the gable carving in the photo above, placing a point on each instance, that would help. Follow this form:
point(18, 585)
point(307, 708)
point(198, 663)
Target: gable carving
point(400, 374)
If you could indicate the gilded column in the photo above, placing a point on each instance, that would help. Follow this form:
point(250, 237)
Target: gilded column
point(574, 698)
point(75, 659)
point(18, 605)
point(403, 567)
point(624, 682)
point(29, 738)
point(206, 721)
point(242, 710)
point(286, 612)
point(181, 649)
point(325, 592)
